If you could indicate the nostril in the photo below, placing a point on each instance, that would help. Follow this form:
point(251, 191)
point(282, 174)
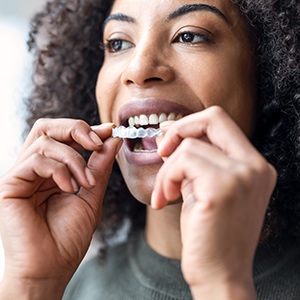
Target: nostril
point(153, 79)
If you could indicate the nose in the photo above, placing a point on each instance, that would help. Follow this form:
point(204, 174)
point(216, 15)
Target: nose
point(147, 65)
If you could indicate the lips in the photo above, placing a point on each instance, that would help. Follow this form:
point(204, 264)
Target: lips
point(151, 109)
point(147, 113)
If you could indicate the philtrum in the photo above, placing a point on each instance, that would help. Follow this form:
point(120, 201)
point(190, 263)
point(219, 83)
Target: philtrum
point(132, 132)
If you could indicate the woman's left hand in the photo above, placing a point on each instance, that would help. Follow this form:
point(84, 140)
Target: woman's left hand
point(226, 185)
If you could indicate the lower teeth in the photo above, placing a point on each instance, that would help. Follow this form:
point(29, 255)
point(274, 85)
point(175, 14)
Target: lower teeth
point(144, 151)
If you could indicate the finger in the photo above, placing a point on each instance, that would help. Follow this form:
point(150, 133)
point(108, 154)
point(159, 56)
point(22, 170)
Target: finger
point(212, 123)
point(184, 166)
point(100, 164)
point(72, 132)
point(104, 131)
point(207, 151)
point(26, 178)
point(206, 170)
point(48, 147)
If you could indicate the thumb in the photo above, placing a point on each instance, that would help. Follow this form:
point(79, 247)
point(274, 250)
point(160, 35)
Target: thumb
point(100, 164)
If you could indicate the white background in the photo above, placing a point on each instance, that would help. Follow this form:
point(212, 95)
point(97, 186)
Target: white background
point(15, 76)
point(15, 63)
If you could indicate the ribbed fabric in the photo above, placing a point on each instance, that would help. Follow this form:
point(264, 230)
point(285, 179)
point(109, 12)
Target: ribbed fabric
point(133, 271)
point(277, 272)
point(157, 273)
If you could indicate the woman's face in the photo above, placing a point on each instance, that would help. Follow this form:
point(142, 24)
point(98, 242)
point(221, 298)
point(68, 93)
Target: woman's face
point(173, 58)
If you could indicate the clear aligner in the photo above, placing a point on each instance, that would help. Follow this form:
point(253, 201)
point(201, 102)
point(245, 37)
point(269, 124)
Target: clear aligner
point(132, 132)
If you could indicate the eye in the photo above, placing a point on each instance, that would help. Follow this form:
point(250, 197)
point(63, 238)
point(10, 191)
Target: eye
point(189, 37)
point(116, 45)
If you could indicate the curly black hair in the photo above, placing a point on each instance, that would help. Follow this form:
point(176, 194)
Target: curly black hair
point(65, 39)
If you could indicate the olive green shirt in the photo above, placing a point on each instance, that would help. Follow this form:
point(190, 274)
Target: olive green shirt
point(133, 271)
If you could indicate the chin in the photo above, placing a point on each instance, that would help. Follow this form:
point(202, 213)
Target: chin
point(144, 197)
point(141, 182)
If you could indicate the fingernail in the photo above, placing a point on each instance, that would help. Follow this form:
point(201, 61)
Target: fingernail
point(165, 125)
point(104, 125)
point(95, 138)
point(153, 202)
point(160, 146)
point(74, 185)
point(90, 177)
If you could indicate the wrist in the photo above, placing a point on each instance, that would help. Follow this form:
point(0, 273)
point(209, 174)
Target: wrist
point(31, 289)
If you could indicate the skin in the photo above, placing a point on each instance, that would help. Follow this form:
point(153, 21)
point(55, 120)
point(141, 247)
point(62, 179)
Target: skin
point(198, 75)
point(216, 228)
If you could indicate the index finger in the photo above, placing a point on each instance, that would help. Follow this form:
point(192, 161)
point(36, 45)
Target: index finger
point(76, 133)
point(212, 123)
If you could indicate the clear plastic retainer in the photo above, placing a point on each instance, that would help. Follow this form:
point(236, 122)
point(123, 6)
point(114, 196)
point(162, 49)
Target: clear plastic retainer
point(132, 132)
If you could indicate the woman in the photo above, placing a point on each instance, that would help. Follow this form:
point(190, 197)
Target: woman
point(212, 66)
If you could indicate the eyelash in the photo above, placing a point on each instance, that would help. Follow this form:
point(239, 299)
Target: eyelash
point(203, 38)
point(108, 44)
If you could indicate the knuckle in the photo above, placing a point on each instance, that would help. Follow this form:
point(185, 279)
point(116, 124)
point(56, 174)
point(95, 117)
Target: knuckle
point(41, 123)
point(72, 159)
point(36, 157)
point(273, 172)
point(216, 110)
point(176, 133)
point(79, 123)
point(60, 168)
point(245, 172)
point(255, 176)
point(41, 144)
point(44, 139)
point(263, 169)
point(187, 144)
point(269, 174)
point(77, 127)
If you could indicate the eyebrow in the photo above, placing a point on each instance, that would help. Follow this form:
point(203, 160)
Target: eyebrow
point(186, 9)
point(119, 17)
point(183, 10)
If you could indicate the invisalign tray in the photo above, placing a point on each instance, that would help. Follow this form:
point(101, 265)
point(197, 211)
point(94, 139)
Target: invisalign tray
point(132, 132)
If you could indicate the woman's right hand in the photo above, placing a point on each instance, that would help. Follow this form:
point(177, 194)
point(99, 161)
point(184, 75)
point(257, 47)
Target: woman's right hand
point(50, 205)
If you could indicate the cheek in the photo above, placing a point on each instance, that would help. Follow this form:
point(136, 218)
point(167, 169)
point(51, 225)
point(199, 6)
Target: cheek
point(226, 84)
point(109, 93)
point(104, 96)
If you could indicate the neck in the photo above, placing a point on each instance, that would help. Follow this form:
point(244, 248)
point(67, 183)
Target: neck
point(163, 231)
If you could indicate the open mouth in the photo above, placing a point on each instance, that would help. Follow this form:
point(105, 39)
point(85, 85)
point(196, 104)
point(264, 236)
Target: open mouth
point(148, 144)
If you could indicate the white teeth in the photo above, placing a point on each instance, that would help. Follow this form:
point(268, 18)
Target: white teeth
point(131, 121)
point(162, 118)
point(153, 119)
point(171, 117)
point(144, 120)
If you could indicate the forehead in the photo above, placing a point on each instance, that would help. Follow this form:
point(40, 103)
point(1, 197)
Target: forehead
point(161, 6)
point(155, 10)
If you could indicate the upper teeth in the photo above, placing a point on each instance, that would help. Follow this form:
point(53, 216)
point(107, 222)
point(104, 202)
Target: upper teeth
point(152, 119)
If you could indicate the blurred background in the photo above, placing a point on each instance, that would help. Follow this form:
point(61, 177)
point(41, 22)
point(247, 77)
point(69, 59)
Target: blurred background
point(15, 65)
point(15, 83)
point(15, 74)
